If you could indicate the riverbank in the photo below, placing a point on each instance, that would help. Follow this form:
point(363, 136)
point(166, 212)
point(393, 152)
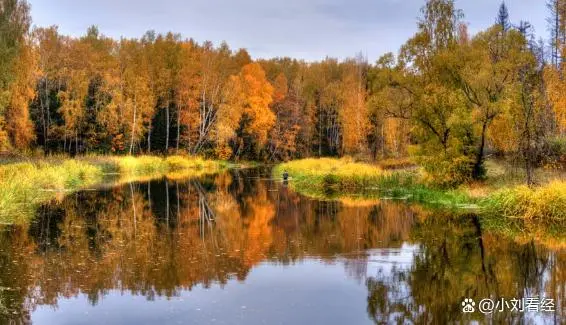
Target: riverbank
point(25, 185)
point(328, 178)
point(501, 195)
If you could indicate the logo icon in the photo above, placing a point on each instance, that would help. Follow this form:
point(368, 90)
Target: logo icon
point(468, 305)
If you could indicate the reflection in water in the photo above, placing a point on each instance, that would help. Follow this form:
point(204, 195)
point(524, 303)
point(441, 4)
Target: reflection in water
point(166, 238)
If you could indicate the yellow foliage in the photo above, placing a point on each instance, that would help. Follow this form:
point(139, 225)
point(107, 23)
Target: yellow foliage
point(249, 93)
point(556, 91)
point(354, 112)
point(22, 92)
point(501, 135)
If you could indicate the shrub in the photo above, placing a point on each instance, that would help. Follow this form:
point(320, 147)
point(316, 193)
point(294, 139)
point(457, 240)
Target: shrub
point(447, 172)
point(555, 152)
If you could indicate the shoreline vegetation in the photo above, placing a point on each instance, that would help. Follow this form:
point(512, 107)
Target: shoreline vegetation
point(26, 184)
point(501, 201)
point(447, 98)
point(328, 178)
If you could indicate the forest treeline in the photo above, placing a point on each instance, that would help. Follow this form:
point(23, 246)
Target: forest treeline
point(447, 97)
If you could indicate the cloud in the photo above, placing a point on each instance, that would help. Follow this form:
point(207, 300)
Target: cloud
point(307, 29)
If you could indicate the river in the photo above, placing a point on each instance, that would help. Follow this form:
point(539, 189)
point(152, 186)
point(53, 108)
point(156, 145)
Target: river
point(241, 248)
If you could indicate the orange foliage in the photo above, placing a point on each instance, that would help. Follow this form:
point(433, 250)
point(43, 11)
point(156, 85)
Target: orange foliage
point(251, 94)
point(22, 91)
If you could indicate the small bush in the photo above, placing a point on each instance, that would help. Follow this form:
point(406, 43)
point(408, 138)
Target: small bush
point(331, 180)
point(447, 172)
point(555, 152)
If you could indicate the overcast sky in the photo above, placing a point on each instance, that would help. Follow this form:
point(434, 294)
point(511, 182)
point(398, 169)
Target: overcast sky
point(304, 29)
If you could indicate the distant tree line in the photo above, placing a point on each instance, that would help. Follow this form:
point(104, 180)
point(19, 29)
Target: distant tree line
point(447, 97)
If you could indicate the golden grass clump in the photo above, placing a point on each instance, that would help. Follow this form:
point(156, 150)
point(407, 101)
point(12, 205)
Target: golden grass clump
point(339, 174)
point(148, 165)
point(545, 203)
point(142, 165)
point(397, 163)
point(176, 163)
point(339, 167)
point(24, 185)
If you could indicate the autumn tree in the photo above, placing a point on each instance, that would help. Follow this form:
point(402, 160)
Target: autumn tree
point(556, 88)
point(432, 100)
point(287, 109)
point(354, 116)
point(246, 110)
point(188, 96)
point(132, 102)
point(215, 69)
point(22, 92)
point(503, 17)
point(529, 115)
point(51, 58)
point(557, 26)
point(323, 93)
point(447, 97)
point(485, 71)
point(165, 54)
point(89, 66)
point(390, 104)
point(15, 21)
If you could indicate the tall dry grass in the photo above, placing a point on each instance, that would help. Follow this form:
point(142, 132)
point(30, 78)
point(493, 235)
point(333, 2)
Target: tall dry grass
point(544, 203)
point(24, 185)
point(327, 172)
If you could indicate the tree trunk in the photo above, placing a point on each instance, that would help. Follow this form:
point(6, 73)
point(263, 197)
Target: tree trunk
point(149, 138)
point(43, 123)
point(178, 205)
point(167, 131)
point(529, 171)
point(528, 154)
point(133, 130)
point(167, 203)
point(149, 195)
point(134, 208)
point(478, 166)
point(319, 137)
point(47, 121)
point(178, 127)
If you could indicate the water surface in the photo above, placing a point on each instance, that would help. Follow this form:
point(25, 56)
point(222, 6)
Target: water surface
point(239, 248)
